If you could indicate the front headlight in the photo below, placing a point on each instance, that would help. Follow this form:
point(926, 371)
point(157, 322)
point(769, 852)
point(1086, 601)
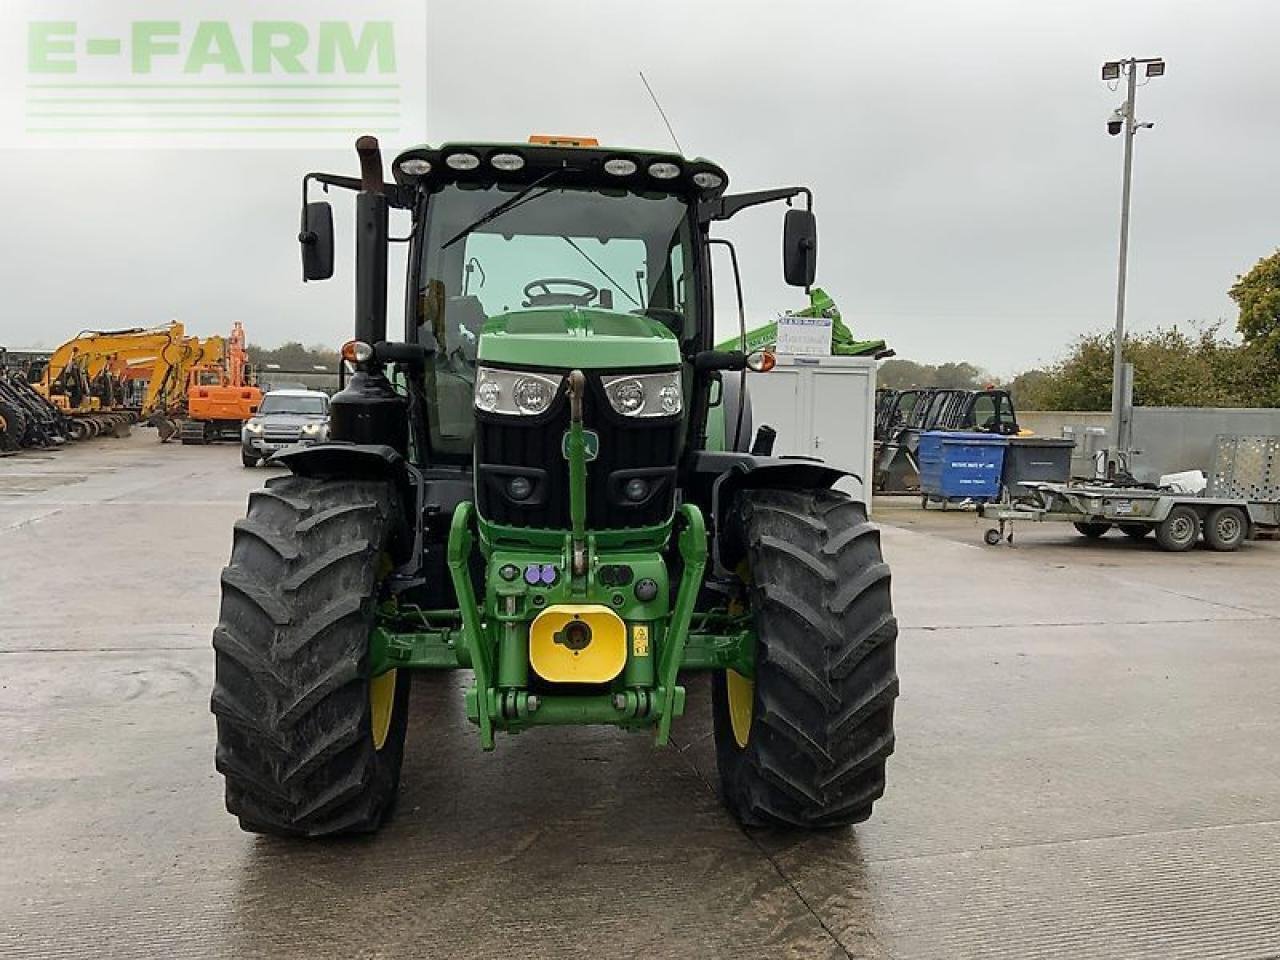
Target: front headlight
point(312, 429)
point(645, 394)
point(515, 392)
point(254, 427)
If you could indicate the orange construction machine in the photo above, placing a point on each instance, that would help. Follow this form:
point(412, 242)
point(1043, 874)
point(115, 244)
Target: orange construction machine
point(220, 395)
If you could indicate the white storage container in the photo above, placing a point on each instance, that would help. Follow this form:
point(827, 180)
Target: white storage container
point(822, 407)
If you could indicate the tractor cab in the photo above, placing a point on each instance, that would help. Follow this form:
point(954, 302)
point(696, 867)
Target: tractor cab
point(529, 255)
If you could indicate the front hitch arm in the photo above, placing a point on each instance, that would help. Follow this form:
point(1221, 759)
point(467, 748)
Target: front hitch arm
point(692, 542)
point(577, 473)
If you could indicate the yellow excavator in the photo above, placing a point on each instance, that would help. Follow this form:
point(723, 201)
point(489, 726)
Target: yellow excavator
point(85, 377)
point(105, 378)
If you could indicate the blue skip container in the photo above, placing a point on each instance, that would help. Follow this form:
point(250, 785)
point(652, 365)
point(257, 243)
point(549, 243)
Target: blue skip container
point(960, 466)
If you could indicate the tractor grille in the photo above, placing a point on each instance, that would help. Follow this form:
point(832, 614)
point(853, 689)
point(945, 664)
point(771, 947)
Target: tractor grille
point(531, 447)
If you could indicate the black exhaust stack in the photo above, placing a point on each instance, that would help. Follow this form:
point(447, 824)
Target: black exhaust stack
point(371, 245)
point(368, 410)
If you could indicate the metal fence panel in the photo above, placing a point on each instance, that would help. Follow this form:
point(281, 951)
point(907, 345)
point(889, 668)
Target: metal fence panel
point(1247, 468)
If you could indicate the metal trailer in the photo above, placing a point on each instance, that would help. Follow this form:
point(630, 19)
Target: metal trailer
point(1177, 519)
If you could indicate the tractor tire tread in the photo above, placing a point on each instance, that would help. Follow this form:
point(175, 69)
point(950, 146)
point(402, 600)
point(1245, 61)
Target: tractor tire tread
point(290, 694)
point(825, 677)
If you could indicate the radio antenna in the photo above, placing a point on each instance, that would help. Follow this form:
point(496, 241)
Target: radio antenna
point(662, 113)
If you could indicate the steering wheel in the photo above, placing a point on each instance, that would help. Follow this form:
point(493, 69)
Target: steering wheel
point(538, 293)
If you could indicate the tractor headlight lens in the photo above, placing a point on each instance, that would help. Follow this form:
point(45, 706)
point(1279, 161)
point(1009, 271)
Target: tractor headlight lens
point(487, 395)
point(706, 180)
point(533, 395)
point(663, 170)
point(669, 397)
point(627, 397)
point(645, 394)
point(519, 488)
point(507, 162)
point(636, 489)
point(462, 161)
point(620, 167)
point(515, 392)
point(416, 166)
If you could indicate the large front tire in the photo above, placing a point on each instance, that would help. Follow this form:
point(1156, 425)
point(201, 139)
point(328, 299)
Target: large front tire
point(805, 745)
point(309, 743)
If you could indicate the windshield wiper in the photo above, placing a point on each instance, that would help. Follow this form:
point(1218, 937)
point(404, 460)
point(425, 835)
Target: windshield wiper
point(503, 207)
point(600, 270)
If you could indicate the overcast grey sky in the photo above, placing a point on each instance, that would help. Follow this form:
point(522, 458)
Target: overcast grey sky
point(967, 193)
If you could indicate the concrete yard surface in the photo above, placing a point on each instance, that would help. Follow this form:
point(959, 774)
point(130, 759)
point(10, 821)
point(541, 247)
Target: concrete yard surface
point(1087, 765)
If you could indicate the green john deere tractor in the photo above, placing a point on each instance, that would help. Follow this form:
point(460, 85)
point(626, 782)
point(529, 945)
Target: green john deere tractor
point(550, 481)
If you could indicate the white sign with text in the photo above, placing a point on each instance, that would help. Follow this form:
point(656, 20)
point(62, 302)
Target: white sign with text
point(804, 336)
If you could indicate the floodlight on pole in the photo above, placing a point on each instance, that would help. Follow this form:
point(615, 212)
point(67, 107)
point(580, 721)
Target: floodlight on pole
point(1123, 120)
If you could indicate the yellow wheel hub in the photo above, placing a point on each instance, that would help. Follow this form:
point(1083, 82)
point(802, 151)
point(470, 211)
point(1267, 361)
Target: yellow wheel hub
point(742, 695)
point(382, 702)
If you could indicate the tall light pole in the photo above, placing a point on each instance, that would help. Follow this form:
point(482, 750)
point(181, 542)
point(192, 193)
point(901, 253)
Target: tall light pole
point(1123, 120)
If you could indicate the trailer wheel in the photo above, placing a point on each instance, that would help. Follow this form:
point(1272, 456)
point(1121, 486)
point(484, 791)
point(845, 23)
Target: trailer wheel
point(1226, 528)
point(309, 743)
point(804, 742)
point(1179, 530)
point(1092, 530)
point(1135, 531)
point(992, 537)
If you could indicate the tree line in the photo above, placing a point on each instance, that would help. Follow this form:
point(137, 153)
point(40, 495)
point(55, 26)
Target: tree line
point(293, 356)
point(1172, 366)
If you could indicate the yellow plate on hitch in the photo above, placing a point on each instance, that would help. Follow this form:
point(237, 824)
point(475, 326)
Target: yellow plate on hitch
point(578, 643)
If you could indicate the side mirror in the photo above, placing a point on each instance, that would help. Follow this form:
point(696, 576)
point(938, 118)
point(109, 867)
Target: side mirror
point(316, 238)
point(800, 248)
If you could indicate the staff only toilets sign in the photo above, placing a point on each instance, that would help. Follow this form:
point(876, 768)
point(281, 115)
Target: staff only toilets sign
point(210, 74)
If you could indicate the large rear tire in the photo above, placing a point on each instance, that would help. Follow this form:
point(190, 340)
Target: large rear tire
point(309, 743)
point(805, 744)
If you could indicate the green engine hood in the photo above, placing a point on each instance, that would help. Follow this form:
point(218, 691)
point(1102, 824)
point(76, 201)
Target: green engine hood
point(577, 337)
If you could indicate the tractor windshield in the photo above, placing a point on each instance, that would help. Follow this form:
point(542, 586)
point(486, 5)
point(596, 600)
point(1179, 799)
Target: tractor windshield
point(557, 247)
